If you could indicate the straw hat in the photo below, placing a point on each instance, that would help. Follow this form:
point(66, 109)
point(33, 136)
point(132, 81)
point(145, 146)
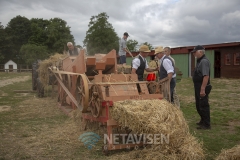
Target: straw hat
point(158, 50)
point(144, 48)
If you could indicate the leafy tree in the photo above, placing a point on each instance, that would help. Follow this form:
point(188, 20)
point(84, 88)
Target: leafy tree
point(2, 42)
point(39, 33)
point(149, 45)
point(101, 36)
point(58, 34)
point(132, 45)
point(32, 52)
point(79, 46)
point(18, 31)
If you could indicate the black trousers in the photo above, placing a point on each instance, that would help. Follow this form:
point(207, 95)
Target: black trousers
point(202, 104)
point(172, 86)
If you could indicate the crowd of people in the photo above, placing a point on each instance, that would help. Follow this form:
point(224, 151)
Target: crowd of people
point(166, 68)
point(201, 75)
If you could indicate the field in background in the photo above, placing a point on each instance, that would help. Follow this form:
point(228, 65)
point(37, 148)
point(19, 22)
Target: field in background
point(33, 128)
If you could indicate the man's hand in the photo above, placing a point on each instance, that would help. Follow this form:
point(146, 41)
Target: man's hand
point(202, 92)
point(130, 54)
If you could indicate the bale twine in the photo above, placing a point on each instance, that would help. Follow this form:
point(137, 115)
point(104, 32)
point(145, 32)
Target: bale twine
point(157, 117)
point(43, 72)
point(230, 154)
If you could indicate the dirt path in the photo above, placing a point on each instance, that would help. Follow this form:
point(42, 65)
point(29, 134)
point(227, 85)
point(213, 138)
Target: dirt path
point(6, 82)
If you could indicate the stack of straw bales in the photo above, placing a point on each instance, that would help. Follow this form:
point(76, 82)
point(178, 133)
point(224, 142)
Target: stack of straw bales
point(43, 71)
point(157, 117)
point(230, 154)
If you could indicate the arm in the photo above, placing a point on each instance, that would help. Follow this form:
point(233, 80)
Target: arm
point(205, 69)
point(133, 71)
point(167, 64)
point(135, 65)
point(151, 70)
point(148, 69)
point(170, 75)
point(204, 84)
point(127, 51)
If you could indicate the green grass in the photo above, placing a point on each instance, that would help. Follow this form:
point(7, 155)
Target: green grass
point(224, 109)
point(36, 129)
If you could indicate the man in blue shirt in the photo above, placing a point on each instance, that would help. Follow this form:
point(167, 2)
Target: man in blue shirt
point(123, 49)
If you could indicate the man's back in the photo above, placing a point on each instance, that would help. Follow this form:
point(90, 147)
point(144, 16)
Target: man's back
point(122, 45)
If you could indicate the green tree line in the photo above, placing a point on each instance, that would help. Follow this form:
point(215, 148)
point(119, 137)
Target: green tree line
point(24, 40)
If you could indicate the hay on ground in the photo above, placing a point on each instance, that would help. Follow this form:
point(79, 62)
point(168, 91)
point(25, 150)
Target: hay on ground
point(43, 71)
point(157, 117)
point(230, 154)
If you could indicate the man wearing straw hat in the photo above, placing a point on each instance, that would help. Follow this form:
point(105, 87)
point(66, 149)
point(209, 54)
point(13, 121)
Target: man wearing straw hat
point(139, 63)
point(166, 69)
point(123, 49)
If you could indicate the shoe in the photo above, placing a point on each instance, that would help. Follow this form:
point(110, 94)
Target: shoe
point(204, 127)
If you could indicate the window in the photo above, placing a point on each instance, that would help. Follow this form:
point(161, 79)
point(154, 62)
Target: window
point(228, 59)
point(236, 59)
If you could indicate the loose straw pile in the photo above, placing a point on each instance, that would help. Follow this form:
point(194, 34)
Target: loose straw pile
point(230, 154)
point(157, 117)
point(43, 71)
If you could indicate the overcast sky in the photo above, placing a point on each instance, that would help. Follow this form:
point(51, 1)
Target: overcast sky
point(159, 22)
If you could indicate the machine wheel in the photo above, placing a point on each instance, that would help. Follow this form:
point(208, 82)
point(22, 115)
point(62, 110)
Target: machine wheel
point(40, 88)
point(153, 87)
point(96, 98)
point(34, 75)
point(82, 92)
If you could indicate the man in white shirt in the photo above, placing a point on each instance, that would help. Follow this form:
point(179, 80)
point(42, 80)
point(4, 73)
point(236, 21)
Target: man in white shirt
point(166, 69)
point(139, 64)
point(167, 51)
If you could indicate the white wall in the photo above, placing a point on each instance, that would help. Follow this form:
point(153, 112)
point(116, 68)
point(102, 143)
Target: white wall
point(10, 62)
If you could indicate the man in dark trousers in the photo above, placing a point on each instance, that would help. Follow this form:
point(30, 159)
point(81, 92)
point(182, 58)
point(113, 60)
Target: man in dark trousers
point(72, 51)
point(166, 69)
point(201, 80)
point(139, 64)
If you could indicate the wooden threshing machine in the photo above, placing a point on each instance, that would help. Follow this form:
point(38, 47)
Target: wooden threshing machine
point(92, 84)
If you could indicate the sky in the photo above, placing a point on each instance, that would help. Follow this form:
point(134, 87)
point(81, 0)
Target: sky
point(171, 23)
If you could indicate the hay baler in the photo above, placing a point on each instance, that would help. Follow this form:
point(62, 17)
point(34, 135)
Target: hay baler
point(92, 84)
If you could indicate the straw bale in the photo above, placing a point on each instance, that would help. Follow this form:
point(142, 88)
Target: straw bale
point(158, 117)
point(43, 71)
point(230, 154)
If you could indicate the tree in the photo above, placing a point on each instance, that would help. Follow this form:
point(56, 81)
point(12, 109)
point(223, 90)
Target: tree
point(2, 42)
point(79, 46)
point(39, 33)
point(58, 34)
point(149, 45)
point(32, 52)
point(101, 36)
point(132, 45)
point(18, 31)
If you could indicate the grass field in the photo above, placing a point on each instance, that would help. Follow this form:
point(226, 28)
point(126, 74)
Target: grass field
point(33, 128)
